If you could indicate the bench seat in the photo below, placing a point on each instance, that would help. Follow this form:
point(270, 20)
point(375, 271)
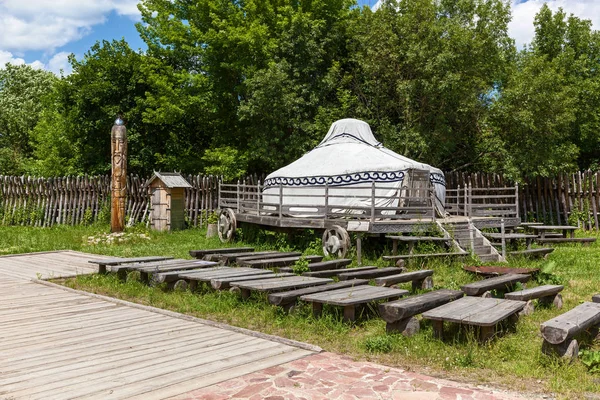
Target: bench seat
point(532, 253)
point(420, 279)
point(548, 294)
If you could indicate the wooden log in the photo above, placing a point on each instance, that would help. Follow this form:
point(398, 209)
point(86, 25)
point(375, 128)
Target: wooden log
point(500, 282)
point(569, 324)
point(414, 305)
point(205, 252)
point(276, 254)
point(368, 274)
point(568, 349)
point(335, 272)
point(535, 293)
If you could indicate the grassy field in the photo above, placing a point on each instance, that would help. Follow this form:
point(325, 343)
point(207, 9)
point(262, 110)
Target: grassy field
point(513, 360)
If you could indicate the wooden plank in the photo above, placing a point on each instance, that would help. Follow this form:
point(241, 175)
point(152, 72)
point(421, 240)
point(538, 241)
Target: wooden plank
point(189, 264)
point(534, 293)
point(335, 272)
point(119, 260)
point(369, 274)
point(202, 253)
point(239, 260)
point(222, 283)
point(567, 325)
point(355, 295)
point(278, 262)
point(228, 258)
point(283, 298)
point(407, 307)
point(323, 265)
point(408, 256)
point(566, 240)
point(499, 282)
point(475, 311)
point(281, 283)
point(404, 277)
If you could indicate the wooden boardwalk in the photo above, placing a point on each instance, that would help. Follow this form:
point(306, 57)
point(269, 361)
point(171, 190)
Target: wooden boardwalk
point(56, 343)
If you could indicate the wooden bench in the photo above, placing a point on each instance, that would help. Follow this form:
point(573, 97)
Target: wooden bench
point(566, 230)
point(532, 253)
point(277, 254)
point(103, 263)
point(399, 315)
point(420, 279)
point(547, 294)
point(170, 271)
point(328, 273)
point(202, 253)
point(123, 269)
point(559, 333)
point(411, 240)
point(433, 255)
point(230, 257)
point(350, 298)
point(351, 273)
point(486, 313)
point(227, 282)
point(278, 262)
point(207, 275)
point(511, 238)
point(278, 284)
point(288, 299)
point(586, 240)
point(323, 265)
point(502, 282)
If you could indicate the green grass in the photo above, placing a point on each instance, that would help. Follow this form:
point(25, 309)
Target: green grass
point(513, 360)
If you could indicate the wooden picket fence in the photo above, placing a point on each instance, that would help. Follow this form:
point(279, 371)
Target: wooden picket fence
point(563, 199)
point(46, 202)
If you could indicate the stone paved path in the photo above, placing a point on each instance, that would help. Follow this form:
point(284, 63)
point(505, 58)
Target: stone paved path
point(331, 376)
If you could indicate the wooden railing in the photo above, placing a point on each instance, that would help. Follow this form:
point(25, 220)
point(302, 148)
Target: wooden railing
point(483, 202)
point(372, 202)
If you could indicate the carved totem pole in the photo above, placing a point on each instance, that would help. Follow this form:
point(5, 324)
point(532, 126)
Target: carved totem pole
point(119, 175)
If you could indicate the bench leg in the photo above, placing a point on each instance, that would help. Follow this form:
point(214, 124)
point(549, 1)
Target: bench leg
point(317, 309)
point(245, 293)
point(289, 307)
point(122, 274)
point(144, 277)
point(487, 295)
point(569, 349)
point(528, 309)
point(349, 313)
point(180, 285)
point(487, 332)
point(438, 329)
point(394, 247)
point(408, 327)
point(192, 286)
point(101, 269)
point(423, 284)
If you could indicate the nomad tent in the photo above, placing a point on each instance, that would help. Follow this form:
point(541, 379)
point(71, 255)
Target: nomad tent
point(348, 165)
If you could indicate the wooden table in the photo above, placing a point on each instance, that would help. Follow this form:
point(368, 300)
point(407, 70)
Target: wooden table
point(349, 298)
point(278, 284)
point(103, 263)
point(411, 240)
point(567, 231)
point(512, 237)
point(208, 274)
point(502, 282)
point(474, 311)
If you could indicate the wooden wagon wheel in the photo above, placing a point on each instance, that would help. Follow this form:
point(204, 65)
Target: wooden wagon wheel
point(226, 225)
point(336, 242)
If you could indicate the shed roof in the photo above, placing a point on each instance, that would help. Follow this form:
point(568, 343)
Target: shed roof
point(170, 179)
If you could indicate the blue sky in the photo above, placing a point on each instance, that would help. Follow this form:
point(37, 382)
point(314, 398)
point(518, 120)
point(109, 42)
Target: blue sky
point(43, 33)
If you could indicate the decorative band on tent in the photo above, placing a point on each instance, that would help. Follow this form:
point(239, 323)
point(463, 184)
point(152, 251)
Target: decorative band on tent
point(338, 180)
point(437, 179)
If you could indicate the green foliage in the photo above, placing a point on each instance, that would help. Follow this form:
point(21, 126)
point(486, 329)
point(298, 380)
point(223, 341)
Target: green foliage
point(591, 359)
point(378, 344)
point(546, 275)
point(212, 218)
point(225, 161)
point(300, 266)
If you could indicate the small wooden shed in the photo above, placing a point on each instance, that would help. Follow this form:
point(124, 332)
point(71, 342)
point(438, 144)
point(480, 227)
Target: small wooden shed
point(167, 200)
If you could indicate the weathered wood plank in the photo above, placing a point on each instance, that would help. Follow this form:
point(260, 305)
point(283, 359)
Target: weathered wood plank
point(354, 295)
point(240, 260)
point(567, 325)
point(499, 282)
point(283, 298)
point(335, 272)
point(407, 307)
point(475, 311)
point(281, 283)
point(534, 293)
point(403, 277)
point(222, 283)
point(323, 265)
point(368, 274)
point(278, 262)
point(205, 252)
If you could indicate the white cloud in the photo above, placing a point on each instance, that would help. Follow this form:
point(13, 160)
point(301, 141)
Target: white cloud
point(48, 24)
point(6, 57)
point(521, 27)
point(60, 62)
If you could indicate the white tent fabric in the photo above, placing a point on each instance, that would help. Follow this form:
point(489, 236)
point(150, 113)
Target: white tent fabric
point(349, 157)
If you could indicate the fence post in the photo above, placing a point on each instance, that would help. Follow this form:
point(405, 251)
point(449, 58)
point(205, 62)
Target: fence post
point(517, 199)
point(503, 236)
point(326, 199)
point(258, 198)
point(471, 236)
point(466, 210)
point(238, 196)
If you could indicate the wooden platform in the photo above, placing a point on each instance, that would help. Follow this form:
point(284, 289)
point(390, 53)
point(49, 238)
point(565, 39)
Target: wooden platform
point(48, 265)
point(57, 343)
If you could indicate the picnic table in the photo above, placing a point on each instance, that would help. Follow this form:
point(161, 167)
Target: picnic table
point(278, 284)
point(350, 298)
point(542, 230)
point(411, 240)
point(512, 238)
point(486, 313)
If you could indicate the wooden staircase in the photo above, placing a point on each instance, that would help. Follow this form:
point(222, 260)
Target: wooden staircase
point(481, 247)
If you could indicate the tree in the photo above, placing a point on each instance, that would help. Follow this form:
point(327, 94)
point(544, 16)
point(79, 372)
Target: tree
point(424, 73)
point(22, 90)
